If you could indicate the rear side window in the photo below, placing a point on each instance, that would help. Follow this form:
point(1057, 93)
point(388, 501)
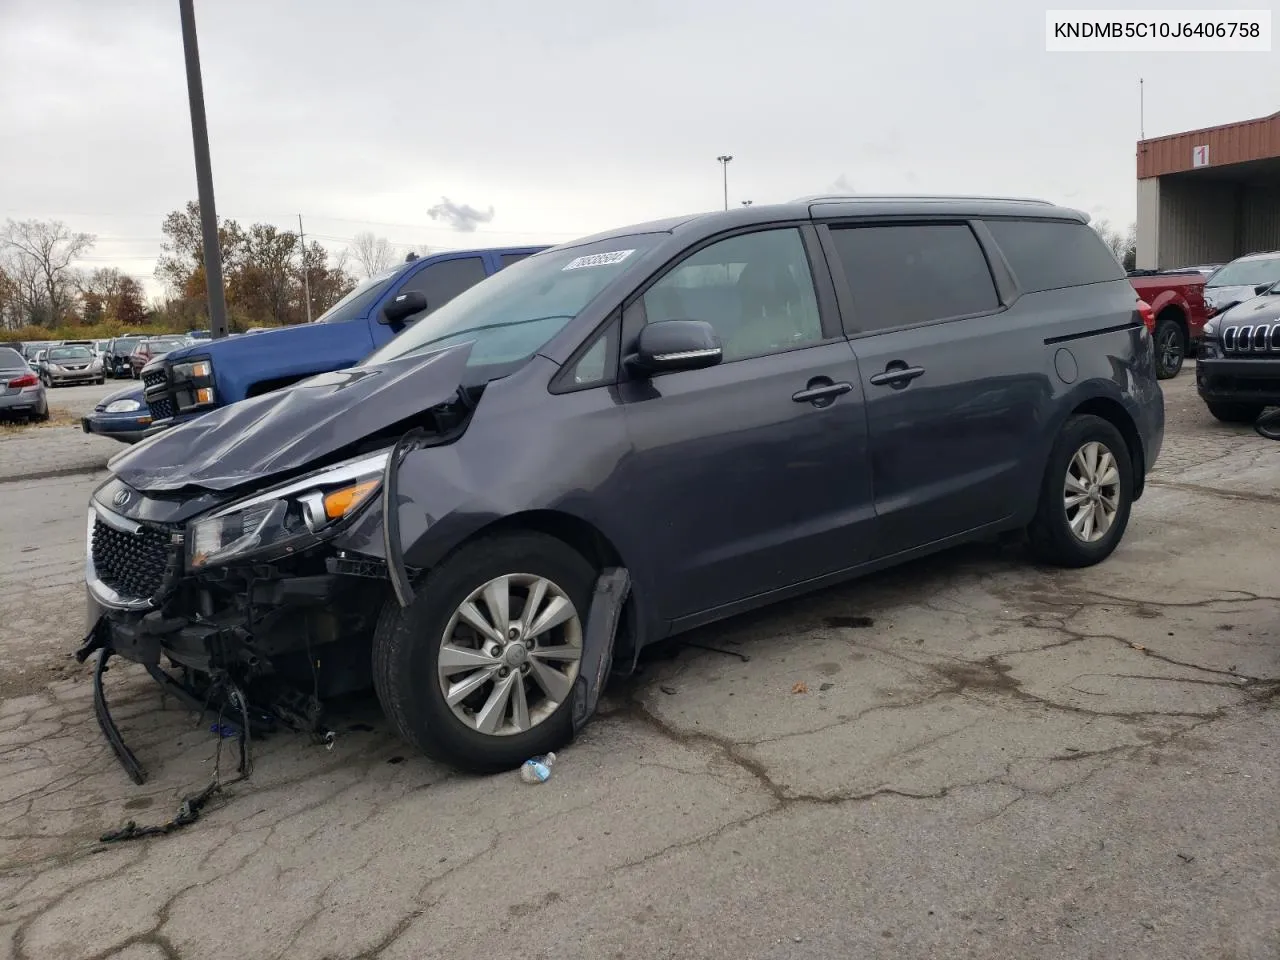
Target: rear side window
point(507, 259)
point(904, 275)
point(1051, 254)
point(11, 359)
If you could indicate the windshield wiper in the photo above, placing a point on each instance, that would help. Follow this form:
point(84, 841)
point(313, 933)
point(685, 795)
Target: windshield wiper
point(489, 326)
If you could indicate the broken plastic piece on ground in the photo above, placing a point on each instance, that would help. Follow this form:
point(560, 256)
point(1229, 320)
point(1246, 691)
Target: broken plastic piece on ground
point(800, 687)
point(538, 769)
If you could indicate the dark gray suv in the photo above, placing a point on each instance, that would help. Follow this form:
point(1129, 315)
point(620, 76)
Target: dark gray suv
point(620, 439)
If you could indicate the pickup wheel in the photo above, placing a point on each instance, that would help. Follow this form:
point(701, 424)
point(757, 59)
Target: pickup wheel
point(1085, 496)
point(1171, 347)
point(1229, 412)
point(479, 670)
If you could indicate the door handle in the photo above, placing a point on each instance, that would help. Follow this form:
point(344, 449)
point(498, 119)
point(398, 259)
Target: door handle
point(817, 395)
point(893, 376)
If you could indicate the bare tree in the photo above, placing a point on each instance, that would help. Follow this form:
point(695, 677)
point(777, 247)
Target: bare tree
point(40, 254)
point(1123, 246)
point(373, 254)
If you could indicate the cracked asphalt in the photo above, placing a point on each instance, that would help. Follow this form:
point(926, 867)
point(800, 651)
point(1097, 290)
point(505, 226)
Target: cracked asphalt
point(965, 757)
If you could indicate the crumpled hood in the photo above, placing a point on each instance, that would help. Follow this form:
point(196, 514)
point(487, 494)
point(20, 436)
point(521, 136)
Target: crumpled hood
point(289, 428)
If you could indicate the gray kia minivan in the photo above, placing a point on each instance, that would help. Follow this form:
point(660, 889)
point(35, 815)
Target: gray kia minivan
point(619, 439)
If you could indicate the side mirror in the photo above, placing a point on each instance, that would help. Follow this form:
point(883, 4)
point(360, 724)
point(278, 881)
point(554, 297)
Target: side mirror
point(676, 345)
point(402, 306)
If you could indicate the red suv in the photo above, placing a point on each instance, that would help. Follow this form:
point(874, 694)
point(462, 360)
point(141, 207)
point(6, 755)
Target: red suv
point(150, 349)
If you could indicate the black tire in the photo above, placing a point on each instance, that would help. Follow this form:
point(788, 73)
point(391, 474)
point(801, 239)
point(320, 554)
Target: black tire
point(41, 416)
point(100, 381)
point(1229, 412)
point(1050, 535)
point(1171, 348)
point(406, 648)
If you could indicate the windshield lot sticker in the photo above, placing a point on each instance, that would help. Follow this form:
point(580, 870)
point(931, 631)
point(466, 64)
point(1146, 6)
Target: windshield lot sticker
point(598, 259)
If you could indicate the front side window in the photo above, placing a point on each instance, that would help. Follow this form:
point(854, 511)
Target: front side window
point(755, 289)
point(517, 310)
point(443, 281)
point(904, 275)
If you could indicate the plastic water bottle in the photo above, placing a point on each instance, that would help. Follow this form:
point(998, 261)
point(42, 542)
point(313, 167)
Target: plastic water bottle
point(537, 770)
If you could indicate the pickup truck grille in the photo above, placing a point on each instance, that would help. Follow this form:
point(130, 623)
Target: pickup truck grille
point(1253, 340)
point(159, 393)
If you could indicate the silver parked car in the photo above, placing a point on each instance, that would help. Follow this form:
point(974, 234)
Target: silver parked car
point(71, 364)
point(21, 392)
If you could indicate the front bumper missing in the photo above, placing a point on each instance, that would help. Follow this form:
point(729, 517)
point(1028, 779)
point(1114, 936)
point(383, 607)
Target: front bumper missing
point(232, 706)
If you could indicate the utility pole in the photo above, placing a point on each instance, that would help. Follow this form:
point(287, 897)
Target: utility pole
point(306, 278)
point(724, 159)
point(204, 175)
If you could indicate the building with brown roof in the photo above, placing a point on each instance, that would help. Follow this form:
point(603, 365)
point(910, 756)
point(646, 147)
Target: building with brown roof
point(1209, 196)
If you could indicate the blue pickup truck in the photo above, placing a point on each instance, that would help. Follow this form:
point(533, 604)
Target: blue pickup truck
point(189, 382)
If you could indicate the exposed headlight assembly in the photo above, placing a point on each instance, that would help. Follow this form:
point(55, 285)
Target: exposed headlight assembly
point(128, 405)
point(287, 518)
point(193, 380)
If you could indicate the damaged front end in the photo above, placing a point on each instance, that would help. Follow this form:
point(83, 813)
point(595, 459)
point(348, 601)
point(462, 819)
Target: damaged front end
point(210, 556)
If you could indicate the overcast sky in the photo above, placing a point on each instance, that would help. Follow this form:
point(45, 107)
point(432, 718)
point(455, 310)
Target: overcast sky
point(568, 117)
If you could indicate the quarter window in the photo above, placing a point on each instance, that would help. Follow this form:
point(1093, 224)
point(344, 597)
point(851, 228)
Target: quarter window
point(444, 280)
point(904, 275)
point(1051, 254)
point(755, 290)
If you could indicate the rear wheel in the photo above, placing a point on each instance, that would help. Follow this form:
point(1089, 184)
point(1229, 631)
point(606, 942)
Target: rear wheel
point(1085, 496)
point(479, 670)
point(1229, 412)
point(1171, 347)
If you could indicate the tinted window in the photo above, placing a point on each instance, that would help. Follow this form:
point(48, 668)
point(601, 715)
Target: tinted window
point(755, 289)
point(507, 259)
point(1051, 254)
point(359, 300)
point(913, 274)
point(11, 359)
point(443, 281)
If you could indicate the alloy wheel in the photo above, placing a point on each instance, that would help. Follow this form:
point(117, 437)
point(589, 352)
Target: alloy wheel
point(1091, 492)
point(1170, 347)
point(510, 654)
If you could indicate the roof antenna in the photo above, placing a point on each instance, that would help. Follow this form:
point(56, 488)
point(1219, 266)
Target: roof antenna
point(1142, 126)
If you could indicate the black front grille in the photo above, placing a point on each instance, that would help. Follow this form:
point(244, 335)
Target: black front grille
point(132, 564)
point(158, 393)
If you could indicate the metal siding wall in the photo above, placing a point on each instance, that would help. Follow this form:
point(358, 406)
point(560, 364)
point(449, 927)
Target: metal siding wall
point(1148, 223)
point(1260, 223)
point(1197, 223)
point(1230, 143)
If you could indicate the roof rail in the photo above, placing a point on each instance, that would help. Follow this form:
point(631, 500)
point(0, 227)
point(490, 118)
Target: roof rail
point(883, 197)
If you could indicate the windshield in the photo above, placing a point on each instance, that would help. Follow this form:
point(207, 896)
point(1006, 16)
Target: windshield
point(357, 302)
point(70, 353)
point(517, 310)
point(164, 346)
point(125, 344)
point(1246, 273)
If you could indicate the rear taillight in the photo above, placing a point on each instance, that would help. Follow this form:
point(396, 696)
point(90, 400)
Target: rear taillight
point(26, 380)
point(1148, 318)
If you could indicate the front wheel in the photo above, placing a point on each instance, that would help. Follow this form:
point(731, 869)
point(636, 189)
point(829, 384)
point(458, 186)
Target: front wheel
point(1171, 348)
point(479, 670)
point(1229, 412)
point(1085, 496)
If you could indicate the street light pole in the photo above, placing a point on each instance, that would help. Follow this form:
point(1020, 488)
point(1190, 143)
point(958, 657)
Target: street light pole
point(204, 175)
point(724, 159)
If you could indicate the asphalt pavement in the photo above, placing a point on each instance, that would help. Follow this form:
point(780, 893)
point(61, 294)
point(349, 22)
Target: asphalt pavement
point(966, 757)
